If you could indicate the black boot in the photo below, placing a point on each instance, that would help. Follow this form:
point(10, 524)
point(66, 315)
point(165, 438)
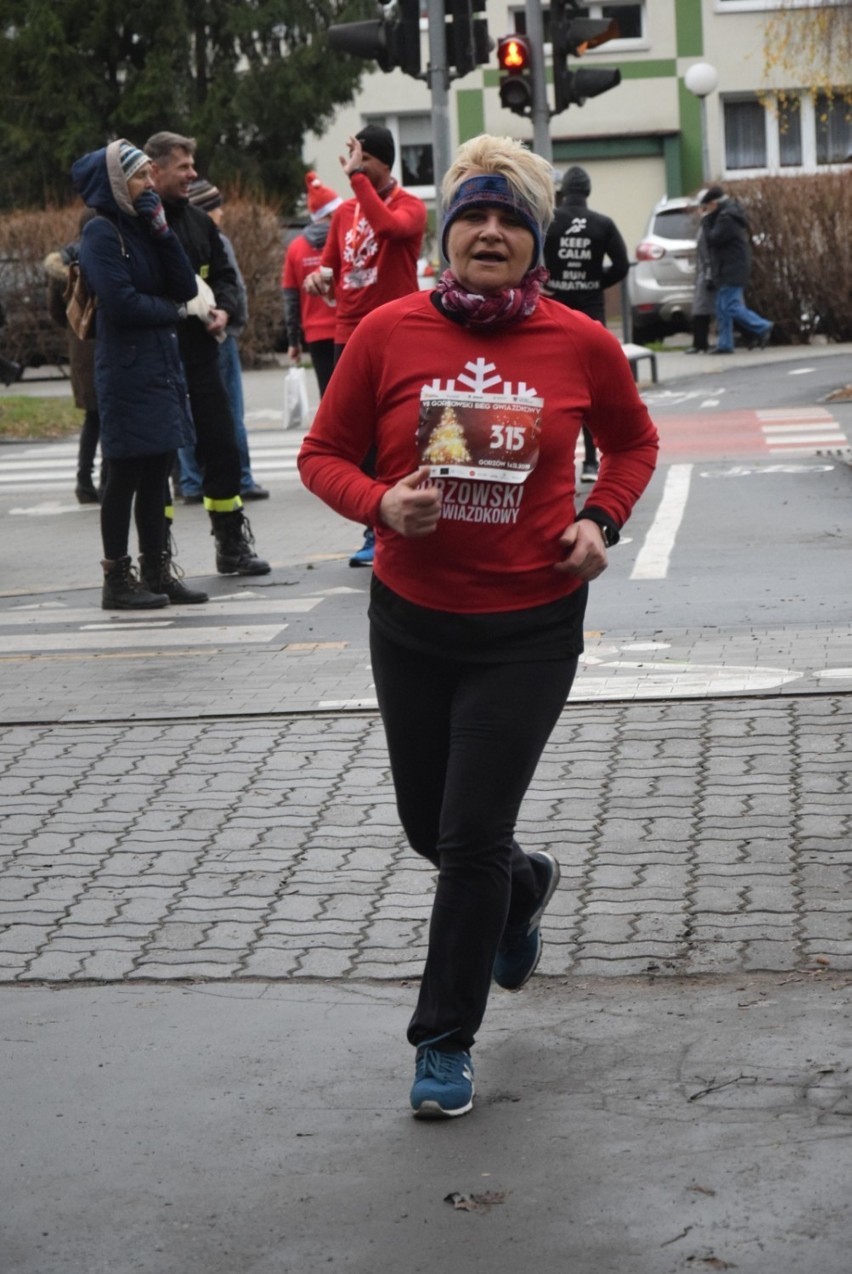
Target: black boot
point(163, 575)
point(122, 590)
point(85, 490)
point(235, 553)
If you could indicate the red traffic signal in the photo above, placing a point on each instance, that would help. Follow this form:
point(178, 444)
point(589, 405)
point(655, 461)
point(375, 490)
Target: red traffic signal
point(514, 53)
point(514, 58)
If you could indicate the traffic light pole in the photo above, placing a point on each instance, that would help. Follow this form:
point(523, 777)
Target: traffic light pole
point(439, 86)
point(540, 110)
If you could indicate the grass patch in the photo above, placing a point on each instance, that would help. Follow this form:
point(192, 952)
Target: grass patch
point(30, 419)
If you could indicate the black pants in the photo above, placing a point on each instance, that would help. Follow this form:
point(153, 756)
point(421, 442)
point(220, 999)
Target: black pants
point(464, 740)
point(145, 478)
point(216, 448)
point(701, 331)
point(89, 437)
point(323, 359)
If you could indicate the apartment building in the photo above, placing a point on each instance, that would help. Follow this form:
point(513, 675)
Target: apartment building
point(642, 139)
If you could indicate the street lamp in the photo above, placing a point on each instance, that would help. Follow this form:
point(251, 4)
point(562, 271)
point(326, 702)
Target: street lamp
point(701, 79)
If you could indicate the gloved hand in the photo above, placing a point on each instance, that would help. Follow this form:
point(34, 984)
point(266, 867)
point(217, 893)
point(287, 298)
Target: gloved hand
point(149, 208)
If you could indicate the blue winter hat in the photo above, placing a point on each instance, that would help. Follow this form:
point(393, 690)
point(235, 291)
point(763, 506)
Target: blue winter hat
point(490, 190)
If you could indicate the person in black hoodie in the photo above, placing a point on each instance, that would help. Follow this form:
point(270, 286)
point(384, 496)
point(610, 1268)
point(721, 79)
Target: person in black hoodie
point(173, 170)
point(576, 246)
point(729, 241)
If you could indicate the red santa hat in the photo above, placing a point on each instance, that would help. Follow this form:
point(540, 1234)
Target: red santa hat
point(322, 200)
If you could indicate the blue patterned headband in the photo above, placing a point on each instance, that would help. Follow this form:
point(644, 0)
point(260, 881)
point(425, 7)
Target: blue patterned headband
point(491, 191)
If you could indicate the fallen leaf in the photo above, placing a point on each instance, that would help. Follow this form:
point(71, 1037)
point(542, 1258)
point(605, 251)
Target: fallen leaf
point(479, 1202)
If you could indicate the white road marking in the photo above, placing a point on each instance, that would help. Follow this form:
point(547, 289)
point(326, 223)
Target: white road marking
point(30, 617)
point(223, 635)
point(652, 560)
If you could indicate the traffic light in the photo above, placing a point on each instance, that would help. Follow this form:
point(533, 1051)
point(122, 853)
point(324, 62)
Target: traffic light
point(514, 57)
point(572, 37)
point(390, 41)
point(468, 44)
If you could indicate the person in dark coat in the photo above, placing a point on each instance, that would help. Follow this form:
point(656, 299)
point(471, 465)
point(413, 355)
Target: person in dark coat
point(578, 243)
point(729, 242)
point(81, 363)
point(173, 168)
point(143, 281)
point(703, 295)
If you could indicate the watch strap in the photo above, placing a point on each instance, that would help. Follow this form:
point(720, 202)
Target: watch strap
point(609, 527)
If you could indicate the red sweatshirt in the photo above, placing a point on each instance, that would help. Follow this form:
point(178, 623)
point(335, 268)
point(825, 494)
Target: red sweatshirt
point(372, 247)
point(497, 413)
point(318, 317)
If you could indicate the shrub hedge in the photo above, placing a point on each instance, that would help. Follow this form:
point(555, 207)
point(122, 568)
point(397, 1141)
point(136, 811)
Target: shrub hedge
point(802, 267)
point(30, 336)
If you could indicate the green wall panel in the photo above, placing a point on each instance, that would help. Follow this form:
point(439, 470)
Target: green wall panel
point(470, 113)
point(689, 29)
point(690, 132)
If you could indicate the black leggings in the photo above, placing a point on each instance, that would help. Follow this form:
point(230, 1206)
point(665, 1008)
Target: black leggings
point(145, 477)
point(464, 740)
point(322, 357)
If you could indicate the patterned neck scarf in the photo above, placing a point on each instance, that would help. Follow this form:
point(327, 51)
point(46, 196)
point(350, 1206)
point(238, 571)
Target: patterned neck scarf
point(498, 309)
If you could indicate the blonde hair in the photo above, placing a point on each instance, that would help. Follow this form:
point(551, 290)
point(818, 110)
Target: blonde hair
point(530, 178)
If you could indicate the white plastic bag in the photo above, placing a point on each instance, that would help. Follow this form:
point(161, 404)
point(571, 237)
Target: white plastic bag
point(202, 303)
point(296, 399)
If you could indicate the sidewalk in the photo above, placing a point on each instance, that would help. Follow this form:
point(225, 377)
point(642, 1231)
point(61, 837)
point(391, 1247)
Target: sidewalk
point(214, 933)
point(210, 935)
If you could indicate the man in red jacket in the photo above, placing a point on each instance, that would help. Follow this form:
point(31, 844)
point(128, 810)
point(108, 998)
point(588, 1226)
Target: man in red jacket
point(370, 255)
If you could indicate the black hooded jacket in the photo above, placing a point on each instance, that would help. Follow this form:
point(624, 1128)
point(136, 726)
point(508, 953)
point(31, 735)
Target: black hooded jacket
point(727, 233)
point(203, 244)
point(575, 247)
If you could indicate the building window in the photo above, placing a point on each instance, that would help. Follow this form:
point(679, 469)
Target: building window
point(629, 16)
point(833, 130)
point(795, 131)
point(415, 150)
point(790, 133)
point(745, 135)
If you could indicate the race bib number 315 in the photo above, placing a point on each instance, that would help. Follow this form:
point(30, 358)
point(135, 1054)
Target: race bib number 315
point(484, 437)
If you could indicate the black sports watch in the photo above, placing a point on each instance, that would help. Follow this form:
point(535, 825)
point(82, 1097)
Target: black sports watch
point(610, 529)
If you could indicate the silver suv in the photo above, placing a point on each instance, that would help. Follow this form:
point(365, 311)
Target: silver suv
point(661, 280)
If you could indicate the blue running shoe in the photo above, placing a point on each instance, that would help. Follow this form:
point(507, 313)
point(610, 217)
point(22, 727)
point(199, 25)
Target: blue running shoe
point(364, 556)
point(443, 1084)
point(520, 947)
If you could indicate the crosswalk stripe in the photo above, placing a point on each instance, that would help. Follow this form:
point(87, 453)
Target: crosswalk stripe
point(791, 431)
point(53, 466)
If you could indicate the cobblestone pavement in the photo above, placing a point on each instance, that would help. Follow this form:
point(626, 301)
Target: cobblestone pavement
point(694, 836)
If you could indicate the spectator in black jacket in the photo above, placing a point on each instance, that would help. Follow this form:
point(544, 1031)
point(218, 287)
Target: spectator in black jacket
point(729, 241)
point(173, 170)
point(576, 246)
